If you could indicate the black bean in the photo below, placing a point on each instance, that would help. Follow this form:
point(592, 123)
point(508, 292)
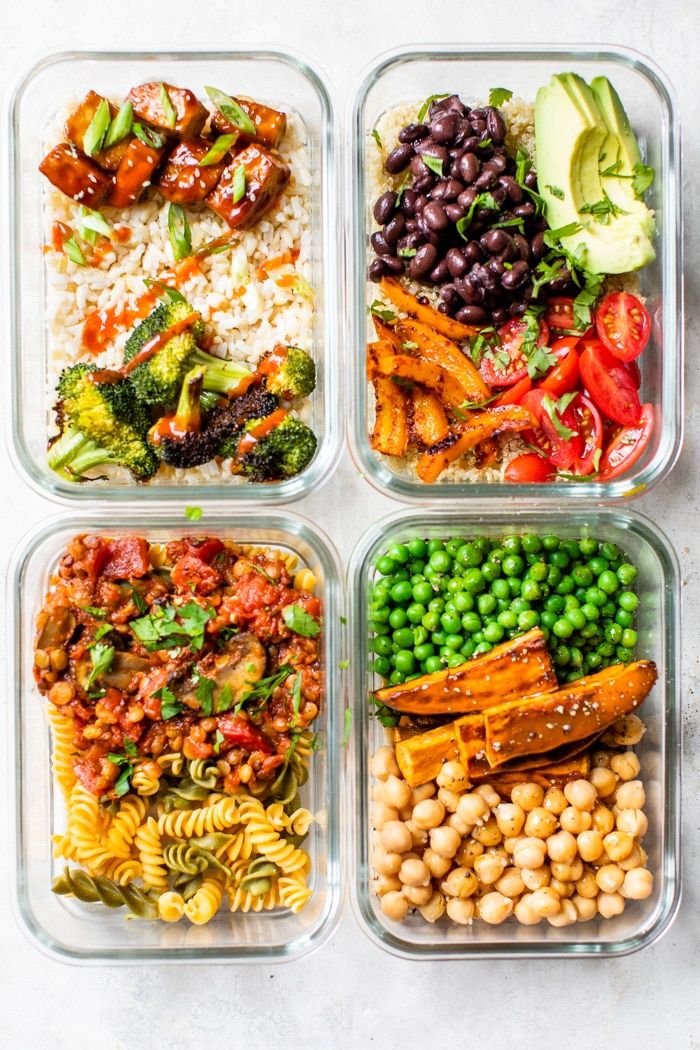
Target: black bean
point(513, 190)
point(444, 127)
point(559, 285)
point(478, 113)
point(495, 125)
point(432, 236)
point(469, 167)
point(439, 272)
point(523, 246)
point(453, 104)
point(467, 198)
point(421, 202)
point(472, 252)
point(478, 125)
point(514, 277)
point(393, 264)
point(414, 239)
point(454, 212)
point(525, 210)
point(418, 168)
point(377, 270)
point(498, 163)
point(531, 180)
point(434, 216)
point(485, 216)
point(499, 315)
point(456, 263)
point(494, 241)
point(486, 180)
point(411, 225)
point(423, 261)
point(471, 143)
point(394, 228)
point(398, 158)
point(472, 315)
point(384, 207)
point(413, 132)
point(438, 190)
point(497, 266)
point(538, 247)
point(482, 277)
point(379, 244)
point(463, 132)
point(453, 189)
point(408, 201)
point(424, 183)
point(517, 308)
point(449, 294)
point(499, 195)
point(470, 292)
point(428, 148)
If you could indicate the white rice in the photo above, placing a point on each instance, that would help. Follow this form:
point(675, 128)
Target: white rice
point(243, 326)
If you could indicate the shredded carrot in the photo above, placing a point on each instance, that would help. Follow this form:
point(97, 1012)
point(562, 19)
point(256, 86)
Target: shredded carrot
point(288, 280)
point(185, 269)
point(101, 326)
point(286, 258)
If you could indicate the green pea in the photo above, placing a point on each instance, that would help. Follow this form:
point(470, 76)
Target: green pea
point(433, 664)
point(608, 610)
point(401, 592)
point(573, 676)
point(559, 558)
point(403, 637)
point(512, 544)
point(399, 553)
point(382, 646)
point(464, 601)
point(418, 548)
point(590, 611)
point(474, 580)
point(381, 628)
point(497, 555)
point(553, 575)
point(575, 656)
point(453, 545)
point(555, 603)
point(605, 649)
point(398, 618)
point(548, 619)
point(468, 648)
point(582, 575)
point(478, 637)
point(422, 592)
point(445, 653)
point(530, 590)
point(420, 635)
point(625, 619)
point(422, 652)
point(532, 544)
point(440, 561)
point(508, 619)
point(608, 582)
point(483, 647)
point(610, 551)
point(576, 618)
point(589, 631)
point(561, 655)
point(434, 545)
point(562, 628)
point(550, 543)
point(450, 606)
point(492, 571)
point(438, 637)
point(415, 612)
point(629, 639)
point(381, 666)
point(519, 605)
point(588, 546)
point(566, 585)
point(572, 549)
point(416, 568)
point(431, 620)
point(513, 565)
point(528, 619)
point(380, 615)
point(613, 633)
point(486, 604)
point(623, 654)
point(592, 661)
point(469, 555)
point(626, 574)
point(436, 605)
point(493, 632)
point(397, 678)
point(628, 601)
point(454, 641)
point(405, 661)
point(580, 593)
point(385, 565)
point(450, 622)
point(596, 597)
point(598, 565)
point(500, 589)
point(514, 585)
point(471, 622)
point(455, 659)
point(538, 571)
point(398, 576)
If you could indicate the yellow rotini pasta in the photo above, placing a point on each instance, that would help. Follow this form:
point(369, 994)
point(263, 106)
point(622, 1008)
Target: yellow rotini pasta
point(244, 901)
point(61, 749)
point(148, 843)
point(171, 906)
point(205, 903)
point(293, 894)
point(145, 780)
point(120, 836)
point(305, 580)
point(266, 840)
point(188, 823)
point(299, 822)
point(122, 871)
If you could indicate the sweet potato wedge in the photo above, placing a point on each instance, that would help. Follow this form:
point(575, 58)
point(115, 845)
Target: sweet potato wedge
point(374, 352)
point(511, 670)
point(427, 418)
point(420, 758)
point(556, 774)
point(437, 379)
point(387, 334)
point(576, 711)
point(486, 453)
point(408, 304)
point(390, 433)
point(479, 427)
point(481, 768)
point(435, 347)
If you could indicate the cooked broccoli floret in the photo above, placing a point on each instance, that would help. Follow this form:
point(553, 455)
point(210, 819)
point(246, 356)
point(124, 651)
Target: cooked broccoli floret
point(294, 376)
point(227, 421)
point(284, 452)
point(179, 439)
point(220, 377)
point(158, 379)
point(101, 422)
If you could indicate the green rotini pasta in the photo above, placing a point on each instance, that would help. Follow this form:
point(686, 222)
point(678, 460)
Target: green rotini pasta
point(92, 889)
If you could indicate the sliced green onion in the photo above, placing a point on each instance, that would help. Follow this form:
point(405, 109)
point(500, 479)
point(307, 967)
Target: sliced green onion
point(168, 108)
point(120, 126)
point(74, 252)
point(170, 293)
point(93, 222)
point(238, 184)
point(219, 150)
point(97, 129)
point(231, 110)
point(179, 231)
point(148, 136)
point(302, 287)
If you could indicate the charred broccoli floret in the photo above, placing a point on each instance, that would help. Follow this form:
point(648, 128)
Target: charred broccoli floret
point(158, 379)
point(282, 453)
point(228, 421)
point(179, 440)
point(293, 373)
point(101, 422)
point(220, 377)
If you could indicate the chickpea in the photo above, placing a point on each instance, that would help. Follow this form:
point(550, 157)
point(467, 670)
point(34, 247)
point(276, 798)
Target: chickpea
point(590, 845)
point(453, 821)
point(61, 693)
point(489, 868)
point(631, 795)
point(638, 884)
point(604, 781)
point(382, 814)
point(561, 847)
point(566, 916)
point(384, 763)
point(378, 793)
point(545, 902)
point(618, 845)
point(453, 776)
point(587, 886)
point(422, 792)
point(395, 837)
point(395, 906)
point(386, 863)
point(524, 913)
point(636, 859)
point(397, 793)
point(386, 884)
point(528, 796)
point(510, 844)
point(601, 758)
point(564, 889)
point(59, 659)
point(437, 865)
point(581, 794)
point(418, 836)
point(468, 852)
point(567, 872)
point(610, 904)
point(626, 732)
point(540, 823)
point(461, 911)
point(586, 907)
point(418, 895)
point(414, 872)
point(609, 878)
point(626, 765)
point(434, 909)
point(429, 813)
point(406, 812)
point(488, 833)
point(575, 820)
point(603, 819)
point(632, 821)
point(472, 809)
point(489, 795)
point(494, 908)
point(449, 799)
point(510, 883)
point(530, 853)
point(510, 818)
point(536, 878)
point(555, 801)
point(445, 841)
point(460, 883)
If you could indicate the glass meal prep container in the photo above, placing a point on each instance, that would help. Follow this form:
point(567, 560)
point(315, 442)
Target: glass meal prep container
point(408, 75)
point(277, 77)
point(658, 626)
point(72, 931)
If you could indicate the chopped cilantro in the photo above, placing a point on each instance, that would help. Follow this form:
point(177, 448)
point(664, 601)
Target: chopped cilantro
point(499, 95)
point(377, 139)
point(170, 705)
point(218, 741)
point(482, 200)
point(161, 630)
point(400, 189)
point(379, 310)
point(102, 630)
point(193, 513)
point(426, 105)
point(224, 701)
point(205, 693)
point(643, 178)
point(434, 163)
point(554, 409)
point(101, 656)
point(299, 621)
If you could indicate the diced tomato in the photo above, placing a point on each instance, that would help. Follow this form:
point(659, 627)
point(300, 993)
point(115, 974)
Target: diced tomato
point(556, 433)
point(529, 468)
point(590, 426)
point(623, 325)
point(609, 384)
point(515, 393)
point(207, 549)
point(254, 592)
point(192, 574)
point(563, 376)
point(126, 559)
point(626, 446)
point(511, 336)
point(240, 733)
point(560, 312)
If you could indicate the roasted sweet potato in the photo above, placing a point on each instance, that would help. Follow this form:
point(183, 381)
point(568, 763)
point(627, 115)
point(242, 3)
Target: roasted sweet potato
point(190, 114)
point(75, 175)
point(554, 775)
point(420, 758)
point(374, 352)
point(266, 175)
point(435, 378)
point(134, 174)
point(574, 712)
point(427, 418)
point(78, 123)
point(408, 304)
point(432, 346)
point(466, 436)
point(270, 124)
point(511, 670)
point(183, 180)
point(481, 768)
point(387, 334)
point(486, 453)
point(390, 433)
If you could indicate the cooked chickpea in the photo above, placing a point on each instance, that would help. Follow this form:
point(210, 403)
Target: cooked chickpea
point(575, 820)
point(437, 865)
point(510, 844)
point(536, 878)
point(445, 841)
point(461, 911)
point(618, 845)
point(453, 821)
point(561, 847)
point(488, 833)
point(422, 792)
point(494, 908)
point(384, 764)
point(601, 759)
point(510, 883)
point(453, 776)
point(460, 883)
point(604, 781)
point(378, 793)
point(565, 916)
point(510, 818)
point(397, 793)
point(567, 872)
point(429, 813)
point(449, 799)
point(609, 878)
point(419, 837)
point(406, 812)
point(632, 821)
point(468, 852)
point(545, 902)
point(488, 868)
point(581, 794)
point(434, 909)
point(540, 823)
point(590, 845)
point(587, 886)
point(603, 819)
point(636, 859)
point(638, 884)
point(610, 904)
point(414, 872)
point(626, 732)
point(382, 814)
point(528, 796)
point(530, 853)
point(630, 795)
point(489, 795)
point(473, 809)
point(524, 913)
point(395, 837)
point(564, 889)
point(418, 895)
point(386, 884)
point(626, 765)
point(555, 801)
point(386, 863)
point(395, 906)
point(586, 907)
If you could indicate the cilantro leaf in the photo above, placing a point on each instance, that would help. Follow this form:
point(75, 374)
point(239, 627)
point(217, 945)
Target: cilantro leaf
point(643, 178)
point(377, 139)
point(379, 310)
point(426, 105)
point(263, 689)
point(551, 408)
point(193, 513)
point(499, 95)
point(299, 621)
point(400, 189)
point(523, 165)
point(225, 699)
point(482, 200)
point(123, 782)
point(170, 705)
point(218, 741)
point(161, 630)
point(102, 630)
point(130, 747)
point(556, 192)
point(540, 361)
point(434, 163)
point(101, 656)
point(205, 694)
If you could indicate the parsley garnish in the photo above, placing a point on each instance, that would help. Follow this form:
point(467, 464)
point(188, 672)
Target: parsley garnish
point(123, 782)
point(426, 105)
point(498, 95)
point(484, 144)
point(377, 139)
point(540, 361)
point(102, 630)
point(170, 705)
point(482, 200)
point(643, 178)
point(264, 688)
point(434, 163)
point(523, 164)
point(101, 656)
point(138, 600)
point(193, 513)
point(555, 409)
point(225, 699)
point(205, 694)
point(298, 620)
point(378, 309)
point(602, 210)
point(218, 741)
point(160, 629)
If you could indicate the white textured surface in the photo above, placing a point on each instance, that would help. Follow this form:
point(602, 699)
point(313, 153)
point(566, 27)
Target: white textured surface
point(349, 994)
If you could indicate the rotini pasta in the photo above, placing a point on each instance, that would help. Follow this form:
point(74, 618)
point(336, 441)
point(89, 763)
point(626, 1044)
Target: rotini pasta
point(148, 843)
point(202, 907)
point(268, 841)
point(171, 906)
point(293, 894)
point(189, 823)
point(78, 884)
point(121, 833)
point(61, 749)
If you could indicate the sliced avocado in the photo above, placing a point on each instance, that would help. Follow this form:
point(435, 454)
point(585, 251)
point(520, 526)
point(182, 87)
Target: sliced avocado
point(614, 115)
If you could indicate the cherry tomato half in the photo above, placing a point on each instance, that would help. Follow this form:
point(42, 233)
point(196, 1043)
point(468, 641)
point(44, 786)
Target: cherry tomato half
point(627, 446)
point(563, 376)
point(529, 468)
point(555, 433)
point(609, 384)
point(590, 425)
point(623, 325)
point(560, 312)
point(494, 370)
point(633, 369)
point(514, 394)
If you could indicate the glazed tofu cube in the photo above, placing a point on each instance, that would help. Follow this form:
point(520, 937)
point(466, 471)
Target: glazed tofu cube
point(270, 124)
point(266, 175)
point(182, 179)
point(191, 115)
point(134, 174)
point(78, 123)
point(75, 175)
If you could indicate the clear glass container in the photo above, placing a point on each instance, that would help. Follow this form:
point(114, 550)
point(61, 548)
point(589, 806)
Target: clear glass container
point(278, 77)
point(409, 75)
point(658, 626)
point(75, 932)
